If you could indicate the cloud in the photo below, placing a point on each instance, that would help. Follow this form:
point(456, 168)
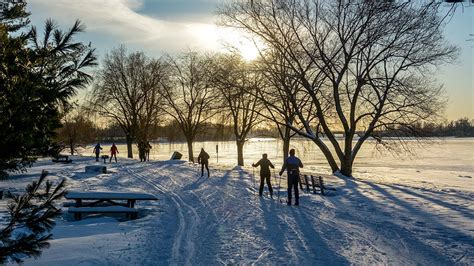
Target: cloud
point(113, 17)
point(118, 22)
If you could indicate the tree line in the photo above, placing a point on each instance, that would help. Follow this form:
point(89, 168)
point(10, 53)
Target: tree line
point(363, 68)
point(360, 69)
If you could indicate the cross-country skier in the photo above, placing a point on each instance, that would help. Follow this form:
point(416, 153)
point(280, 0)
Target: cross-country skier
point(203, 159)
point(141, 151)
point(147, 151)
point(113, 152)
point(265, 174)
point(292, 165)
point(96, 150)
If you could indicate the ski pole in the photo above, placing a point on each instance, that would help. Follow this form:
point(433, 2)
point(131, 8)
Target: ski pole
point(274, 176)
point(279, 187)
point(253, 174)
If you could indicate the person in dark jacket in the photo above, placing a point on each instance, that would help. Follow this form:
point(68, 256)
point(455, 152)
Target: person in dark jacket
point(147, 150)
point(141, 151)
point(292, 166)
point(265, 174)
point(96, 150)
point(203, 159)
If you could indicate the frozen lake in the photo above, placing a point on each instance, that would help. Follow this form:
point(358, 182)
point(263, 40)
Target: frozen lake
point(449, 156)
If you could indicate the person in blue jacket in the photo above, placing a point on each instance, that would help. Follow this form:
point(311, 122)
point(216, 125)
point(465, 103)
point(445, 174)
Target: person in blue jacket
point(292, 166)
point(97, 150)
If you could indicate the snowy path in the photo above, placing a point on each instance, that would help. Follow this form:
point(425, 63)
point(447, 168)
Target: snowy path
point(236, 226)
point(183, 242)
point(371, 220)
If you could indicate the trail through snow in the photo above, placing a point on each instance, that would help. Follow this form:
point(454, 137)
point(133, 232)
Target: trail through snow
point(219, 220)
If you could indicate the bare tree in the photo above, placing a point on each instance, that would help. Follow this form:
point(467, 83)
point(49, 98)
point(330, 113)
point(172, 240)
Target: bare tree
point(238, 85)
point(77, 129)
point(189, 95)
point(281, 87)
point(127, 91)
point(373, 61)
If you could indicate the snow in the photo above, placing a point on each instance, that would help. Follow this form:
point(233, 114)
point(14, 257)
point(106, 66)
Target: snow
point(415, 211)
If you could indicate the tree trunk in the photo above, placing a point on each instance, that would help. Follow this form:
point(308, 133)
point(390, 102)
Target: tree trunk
point(190, 149)
point(327, 153)
point(346, 165)
point(71, 146)
point(129, 146)
point(240, 152)
point(347, 160)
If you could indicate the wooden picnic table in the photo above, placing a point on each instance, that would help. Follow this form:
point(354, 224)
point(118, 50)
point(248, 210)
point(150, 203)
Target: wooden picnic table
point(105, 202)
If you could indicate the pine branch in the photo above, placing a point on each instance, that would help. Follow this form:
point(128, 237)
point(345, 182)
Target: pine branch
point(32, 217)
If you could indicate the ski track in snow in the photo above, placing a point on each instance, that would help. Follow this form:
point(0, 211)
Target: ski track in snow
point(301, 244)
point(186, 229)
point(220, 220)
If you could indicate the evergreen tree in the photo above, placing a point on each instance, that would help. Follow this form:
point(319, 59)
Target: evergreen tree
point(31, 220)
point(38, 75)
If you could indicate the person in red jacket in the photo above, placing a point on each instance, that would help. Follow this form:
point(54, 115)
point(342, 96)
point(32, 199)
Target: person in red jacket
point(113, 152)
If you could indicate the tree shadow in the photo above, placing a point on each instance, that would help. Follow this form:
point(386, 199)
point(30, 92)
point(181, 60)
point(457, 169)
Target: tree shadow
point(462, 210)
point(414, 245)
point(283, 223)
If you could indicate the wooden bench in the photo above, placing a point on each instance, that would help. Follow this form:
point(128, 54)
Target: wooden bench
point(105, 202)
point(78, 211)
point(61, 159)
point(315, 183)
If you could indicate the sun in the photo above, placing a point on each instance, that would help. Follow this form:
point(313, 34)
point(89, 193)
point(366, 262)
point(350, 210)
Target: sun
point(248, 50)
point(214, 38)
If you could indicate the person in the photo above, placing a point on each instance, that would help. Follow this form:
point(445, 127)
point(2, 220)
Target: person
point(96, 150)
point(292, 166)
point(265, 174)
point(147, 151)
point(203, 159)
point(113, 152)
point(141, 151)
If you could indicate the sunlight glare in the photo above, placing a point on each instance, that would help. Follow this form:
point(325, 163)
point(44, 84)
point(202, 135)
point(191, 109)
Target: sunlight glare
point(220, 39)
point(248, 50)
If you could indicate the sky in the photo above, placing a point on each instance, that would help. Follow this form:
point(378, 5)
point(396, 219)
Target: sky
point(159, 27)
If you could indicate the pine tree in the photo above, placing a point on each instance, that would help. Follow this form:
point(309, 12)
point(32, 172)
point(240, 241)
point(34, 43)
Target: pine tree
point(31, 220)
point(38, 75)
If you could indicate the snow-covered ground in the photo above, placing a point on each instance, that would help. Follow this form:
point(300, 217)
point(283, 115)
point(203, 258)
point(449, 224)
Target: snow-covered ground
point(390, 213)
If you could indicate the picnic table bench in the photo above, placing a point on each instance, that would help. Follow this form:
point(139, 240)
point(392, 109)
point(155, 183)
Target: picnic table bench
point(61, 159)
point(105, 202)
point(104, 157)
